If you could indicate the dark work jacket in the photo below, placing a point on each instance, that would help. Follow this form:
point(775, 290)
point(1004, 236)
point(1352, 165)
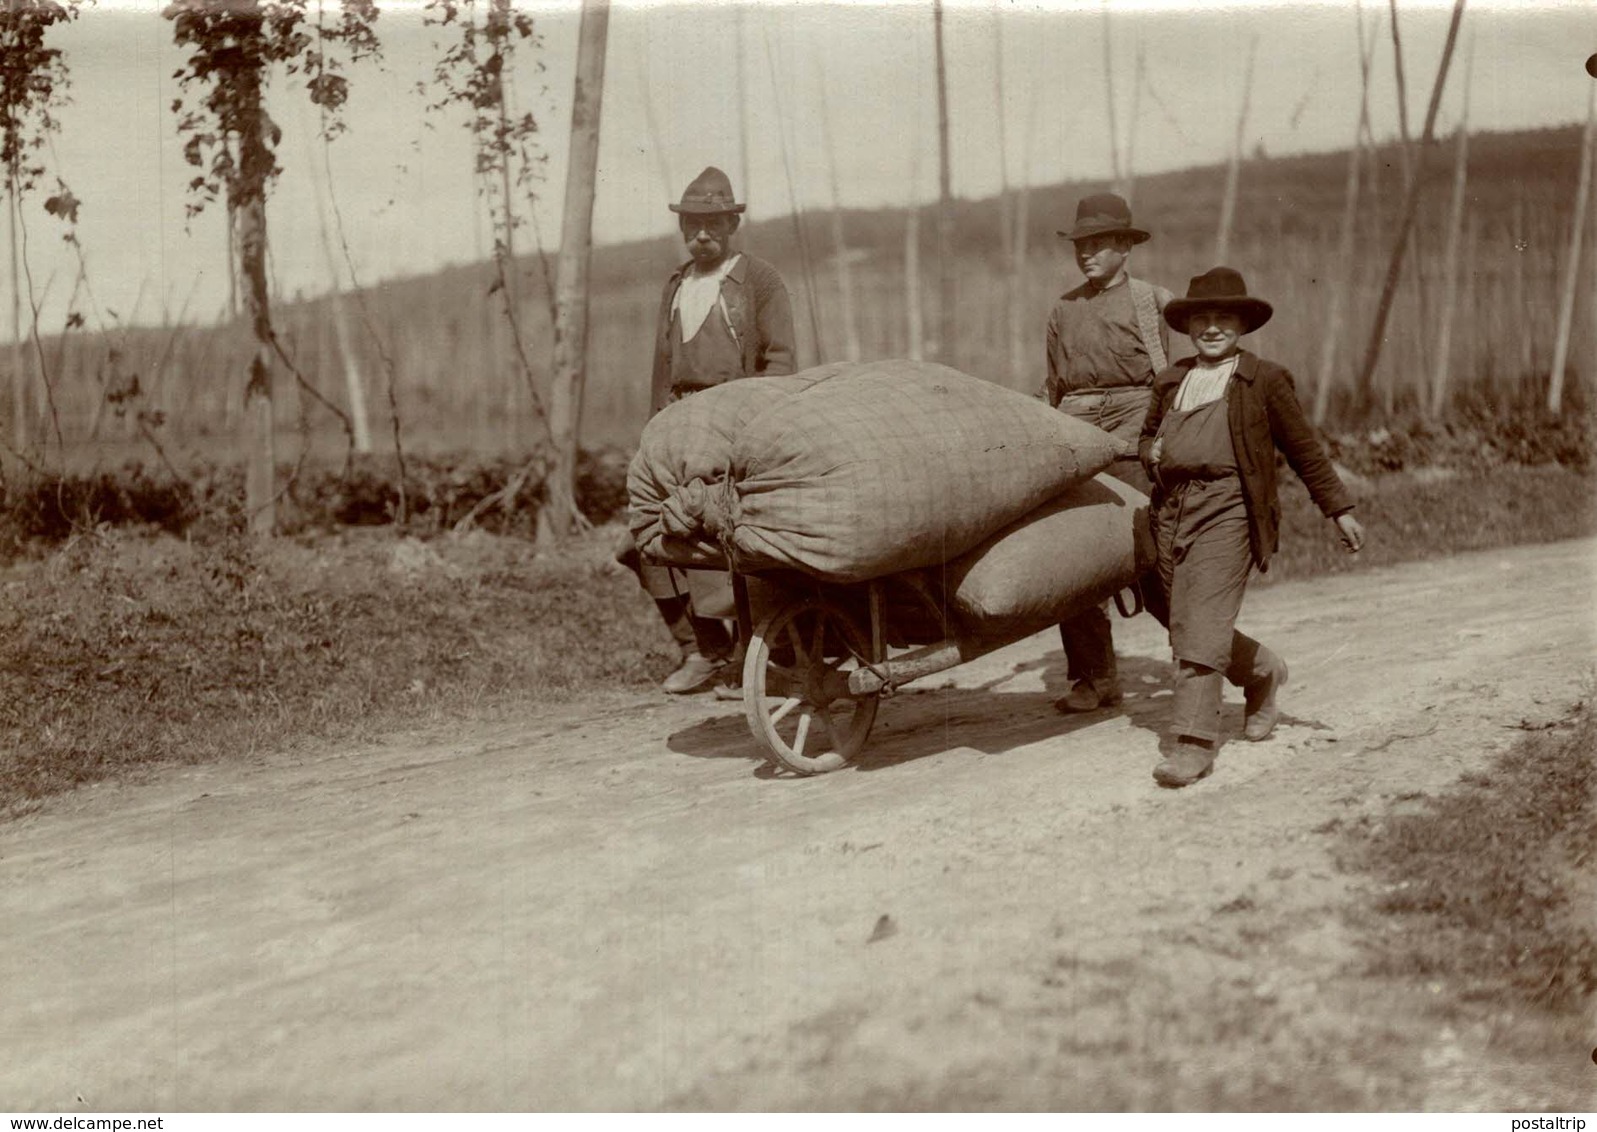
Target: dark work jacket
point(1264, 415)
point(761, 317)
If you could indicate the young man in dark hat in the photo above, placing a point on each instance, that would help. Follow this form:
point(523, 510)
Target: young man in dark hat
point(1106, 340)
point(724, 315)
point(1208, 444)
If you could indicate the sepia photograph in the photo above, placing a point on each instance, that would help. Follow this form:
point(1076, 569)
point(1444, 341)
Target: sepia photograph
point(864, 556)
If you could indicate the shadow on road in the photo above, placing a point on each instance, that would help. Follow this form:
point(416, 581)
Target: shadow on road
point(929, 720)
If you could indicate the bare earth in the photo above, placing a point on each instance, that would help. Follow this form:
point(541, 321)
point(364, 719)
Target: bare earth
point(615, 904)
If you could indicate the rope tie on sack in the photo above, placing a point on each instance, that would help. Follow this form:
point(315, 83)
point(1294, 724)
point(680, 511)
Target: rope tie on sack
point(702, 511)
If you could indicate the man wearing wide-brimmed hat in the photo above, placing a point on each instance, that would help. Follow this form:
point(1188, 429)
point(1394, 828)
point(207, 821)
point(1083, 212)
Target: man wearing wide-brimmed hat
point(1106, 340)
point(1208, 443)
point(724, 315)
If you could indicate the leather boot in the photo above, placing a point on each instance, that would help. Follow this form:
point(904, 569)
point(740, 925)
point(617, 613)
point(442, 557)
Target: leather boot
point(1260, 712)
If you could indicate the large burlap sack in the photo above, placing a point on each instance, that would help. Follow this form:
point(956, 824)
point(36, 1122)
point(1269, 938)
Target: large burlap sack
point(892, 465)
point(685, 451)
point(1075, 551)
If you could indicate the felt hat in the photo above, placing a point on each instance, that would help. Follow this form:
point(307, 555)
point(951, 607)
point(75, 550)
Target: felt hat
point(710, 193)
point(1104, 214)
point(1219, 288)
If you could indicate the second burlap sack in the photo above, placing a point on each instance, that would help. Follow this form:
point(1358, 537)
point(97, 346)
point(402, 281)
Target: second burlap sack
point(893, 465)
point(1078, 549)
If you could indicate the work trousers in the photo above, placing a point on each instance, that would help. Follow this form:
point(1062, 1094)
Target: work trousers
point(1087, 637)
point(706, 636)
point(1201, 531)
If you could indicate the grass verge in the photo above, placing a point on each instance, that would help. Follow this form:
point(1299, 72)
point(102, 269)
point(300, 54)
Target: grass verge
point(1415, 516)
point(1487, 888)
point(118, 652)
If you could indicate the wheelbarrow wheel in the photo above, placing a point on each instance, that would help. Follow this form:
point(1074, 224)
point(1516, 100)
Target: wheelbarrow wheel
point(795, 687)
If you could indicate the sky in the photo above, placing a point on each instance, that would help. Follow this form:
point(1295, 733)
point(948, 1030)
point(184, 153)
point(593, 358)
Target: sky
point(837, 102)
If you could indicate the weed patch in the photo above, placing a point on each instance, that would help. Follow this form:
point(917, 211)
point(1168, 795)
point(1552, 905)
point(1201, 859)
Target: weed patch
point(1409, 518)
point(1480, 888)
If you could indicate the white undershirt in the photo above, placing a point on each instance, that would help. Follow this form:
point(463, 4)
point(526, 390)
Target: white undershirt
point(698, 294)
point(1204, 384)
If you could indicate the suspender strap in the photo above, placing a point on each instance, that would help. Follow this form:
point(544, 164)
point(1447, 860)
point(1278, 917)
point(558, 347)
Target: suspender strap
point(731, 327)
point(1146, 304)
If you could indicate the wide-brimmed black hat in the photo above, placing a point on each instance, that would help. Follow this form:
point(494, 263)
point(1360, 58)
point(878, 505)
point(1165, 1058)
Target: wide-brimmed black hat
point(1223, 289)
point(710, 193)
point(1104, 214)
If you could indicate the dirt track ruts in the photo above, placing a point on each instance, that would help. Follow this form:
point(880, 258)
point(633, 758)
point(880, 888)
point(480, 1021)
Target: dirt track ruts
point(615, 904)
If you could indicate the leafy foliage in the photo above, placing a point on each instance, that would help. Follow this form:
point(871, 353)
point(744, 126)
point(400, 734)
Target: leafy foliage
point(233, 47)
point(208, 501)
point(33, 83)
point(473, 73)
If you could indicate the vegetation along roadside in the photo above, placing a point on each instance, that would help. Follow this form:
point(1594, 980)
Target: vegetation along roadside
point(120, 650)
point(1483, 894)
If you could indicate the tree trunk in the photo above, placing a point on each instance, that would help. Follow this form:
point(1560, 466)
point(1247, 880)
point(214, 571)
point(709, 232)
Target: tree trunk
point(259, 440)
point(558, 516)
point(1394, 270)
point(1566, 302)
point(945, 204)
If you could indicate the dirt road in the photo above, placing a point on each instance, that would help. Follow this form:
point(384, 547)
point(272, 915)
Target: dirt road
point(616, 905)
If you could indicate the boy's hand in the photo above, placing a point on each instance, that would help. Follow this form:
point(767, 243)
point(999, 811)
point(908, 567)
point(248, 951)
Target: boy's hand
point(1156, 450)
point(1351, 531)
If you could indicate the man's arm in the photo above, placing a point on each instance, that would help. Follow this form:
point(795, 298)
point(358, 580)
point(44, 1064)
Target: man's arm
point(1161, 298)
point(660, 374)
point(1052, 384)
point(773, 315)
point(1296, 439)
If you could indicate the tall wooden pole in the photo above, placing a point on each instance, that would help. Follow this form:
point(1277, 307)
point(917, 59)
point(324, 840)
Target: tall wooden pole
point(344, 345)
point(1129, 190)
point(1394, 270)
point(559, 517)
point(1407, 152)
point(945, 204)
point(914, 318)
point(1109, 100)
point(1566, 303)
point(1017, 270)
point(841, 270)
point(1228, 202)
point(1450, 257)
point(1336, 305)
point(743, 110)
point(806, 260)
point(1006, 203)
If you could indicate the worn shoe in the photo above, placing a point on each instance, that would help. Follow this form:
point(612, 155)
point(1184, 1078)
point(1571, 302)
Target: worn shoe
point(726, 690)
point(693, 675)
point(1088, 695)
point(1260, 712)
point(1188, 762)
